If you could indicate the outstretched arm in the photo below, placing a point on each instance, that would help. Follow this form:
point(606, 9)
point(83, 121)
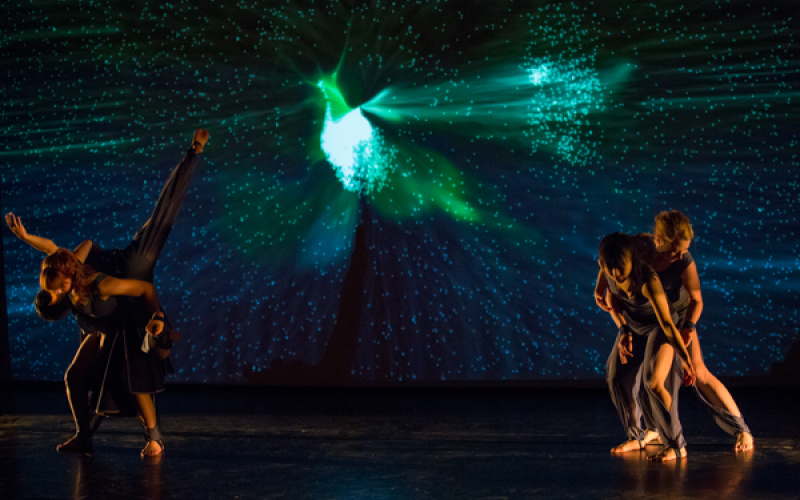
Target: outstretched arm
point(136, 288)
point(82, 251)
point(39, 243)
point(654, 292)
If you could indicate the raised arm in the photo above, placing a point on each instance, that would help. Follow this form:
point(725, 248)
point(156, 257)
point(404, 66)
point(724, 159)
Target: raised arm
point(82, 251)
point(654, 292)
point(38, 242)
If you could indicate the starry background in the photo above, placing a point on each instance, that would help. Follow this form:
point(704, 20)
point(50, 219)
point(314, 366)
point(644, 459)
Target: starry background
point(520, 133)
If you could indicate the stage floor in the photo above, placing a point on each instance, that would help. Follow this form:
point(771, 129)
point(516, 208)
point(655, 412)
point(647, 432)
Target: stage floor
point(400, 443)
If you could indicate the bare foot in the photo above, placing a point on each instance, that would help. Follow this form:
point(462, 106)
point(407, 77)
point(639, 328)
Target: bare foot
point(668, 454)
point(744, 441)
point(199, 140)
point(636, 444)
point(629, 445)
point(76, 444)
point(152, 448)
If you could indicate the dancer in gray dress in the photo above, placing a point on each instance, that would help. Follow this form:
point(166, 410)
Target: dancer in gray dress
point(672, 236)
point(640, 357)
point(677, 271)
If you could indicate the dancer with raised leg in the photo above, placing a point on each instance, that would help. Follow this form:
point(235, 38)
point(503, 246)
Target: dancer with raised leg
point(122, 338)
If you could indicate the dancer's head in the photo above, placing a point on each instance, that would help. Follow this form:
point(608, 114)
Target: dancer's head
point(47, 309)
point(673, 234)
point(62, 273)
point(620, 257)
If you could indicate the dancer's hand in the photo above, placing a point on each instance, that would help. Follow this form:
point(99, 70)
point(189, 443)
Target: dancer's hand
point(688, 375)
point(155, 325)
point(15, 224)
point(625, 344)
point(686, 334)
point(601, 303)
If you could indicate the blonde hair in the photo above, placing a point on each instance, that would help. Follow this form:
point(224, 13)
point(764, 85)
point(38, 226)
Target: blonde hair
point(672, 226)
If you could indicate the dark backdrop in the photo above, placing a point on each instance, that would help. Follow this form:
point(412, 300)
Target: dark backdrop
point(483, 147)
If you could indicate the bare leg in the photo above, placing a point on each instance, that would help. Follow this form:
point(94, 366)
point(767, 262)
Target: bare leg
point(718, 396)
point(663, 365)
point(76, 381)
point(662, 379)
point(714, 391)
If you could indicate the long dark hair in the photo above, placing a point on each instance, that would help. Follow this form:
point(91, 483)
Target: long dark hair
point(617, 248)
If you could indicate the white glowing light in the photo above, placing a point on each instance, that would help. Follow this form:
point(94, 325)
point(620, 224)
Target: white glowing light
point(357, 151)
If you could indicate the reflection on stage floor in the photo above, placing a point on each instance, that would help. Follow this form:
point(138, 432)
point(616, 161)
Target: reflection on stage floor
point(398, 443)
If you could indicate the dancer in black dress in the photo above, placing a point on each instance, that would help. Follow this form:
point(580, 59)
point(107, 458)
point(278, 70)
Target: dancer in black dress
point(118, 340)
point(640, 357)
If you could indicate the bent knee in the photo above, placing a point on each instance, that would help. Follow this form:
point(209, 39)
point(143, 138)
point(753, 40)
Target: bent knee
point(657, 387)
point(70, 377)
point(74, 374)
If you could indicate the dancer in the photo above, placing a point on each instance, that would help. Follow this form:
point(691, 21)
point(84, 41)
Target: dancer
point(639, 357)
point(675, 266)
point(121, 336)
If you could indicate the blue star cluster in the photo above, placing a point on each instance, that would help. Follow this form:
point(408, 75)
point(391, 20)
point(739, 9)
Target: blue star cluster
point(406, 192)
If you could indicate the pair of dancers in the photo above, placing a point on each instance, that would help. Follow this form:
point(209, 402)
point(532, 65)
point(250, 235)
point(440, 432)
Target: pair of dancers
point(125, 336)
point(649, 284)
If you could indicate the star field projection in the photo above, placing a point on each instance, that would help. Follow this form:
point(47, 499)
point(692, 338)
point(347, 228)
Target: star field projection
point(483, 147)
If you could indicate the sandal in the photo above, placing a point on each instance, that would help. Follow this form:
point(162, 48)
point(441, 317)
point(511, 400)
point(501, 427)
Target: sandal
point(161, 451)
point(152, 434)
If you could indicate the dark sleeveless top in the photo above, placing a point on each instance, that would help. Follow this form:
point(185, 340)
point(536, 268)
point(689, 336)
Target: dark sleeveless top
point(97, 314)
point(637, 309)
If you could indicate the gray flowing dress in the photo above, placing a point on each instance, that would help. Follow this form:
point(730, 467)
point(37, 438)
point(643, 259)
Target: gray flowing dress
point(629, 383)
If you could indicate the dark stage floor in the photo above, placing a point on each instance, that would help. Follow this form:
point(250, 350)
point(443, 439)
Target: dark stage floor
point(393, 444)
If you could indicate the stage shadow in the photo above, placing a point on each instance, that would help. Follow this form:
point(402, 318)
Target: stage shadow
point(335, 366)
